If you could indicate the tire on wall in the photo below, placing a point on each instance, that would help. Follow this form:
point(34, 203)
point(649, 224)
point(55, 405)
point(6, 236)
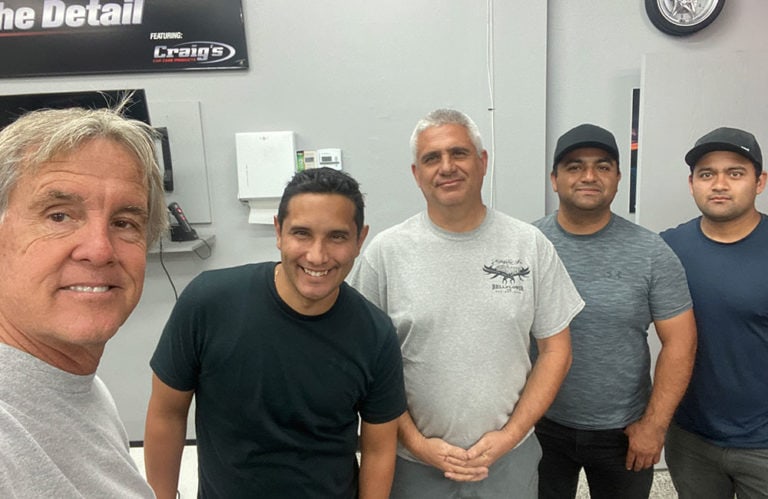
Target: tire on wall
point(680, 18)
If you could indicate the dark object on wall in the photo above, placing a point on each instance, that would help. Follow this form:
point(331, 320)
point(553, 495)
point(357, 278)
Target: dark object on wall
point(181, 230)
point(165, 157)
point(13, 106)
point(682, 17)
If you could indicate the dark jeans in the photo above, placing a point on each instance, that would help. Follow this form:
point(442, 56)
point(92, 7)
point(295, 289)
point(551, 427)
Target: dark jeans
point(602, 454)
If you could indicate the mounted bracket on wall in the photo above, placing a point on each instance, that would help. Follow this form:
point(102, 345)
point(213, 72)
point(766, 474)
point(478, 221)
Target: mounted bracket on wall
point(682, 17)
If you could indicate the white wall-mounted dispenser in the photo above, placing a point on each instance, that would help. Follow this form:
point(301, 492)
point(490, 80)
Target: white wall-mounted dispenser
point(266, 161)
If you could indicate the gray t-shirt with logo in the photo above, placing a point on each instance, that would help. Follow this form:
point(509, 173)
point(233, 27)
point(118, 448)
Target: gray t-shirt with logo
point(465, 306)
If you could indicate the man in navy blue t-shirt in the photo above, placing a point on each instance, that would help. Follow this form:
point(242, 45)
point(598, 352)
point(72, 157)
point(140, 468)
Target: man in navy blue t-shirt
point(718, 445)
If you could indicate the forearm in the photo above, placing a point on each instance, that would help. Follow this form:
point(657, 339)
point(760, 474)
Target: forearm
point(542, 386)
point(376, 472)
point(408, 435)
point(378, 447)
point(673, 372)
point(163, 447)
point(673, 367)
point(164, 434)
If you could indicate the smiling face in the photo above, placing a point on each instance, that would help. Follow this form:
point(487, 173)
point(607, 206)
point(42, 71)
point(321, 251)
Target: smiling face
point(586, 182)
point(73, 247)
point(449, 170)
point(724, 186)
point(318, 242)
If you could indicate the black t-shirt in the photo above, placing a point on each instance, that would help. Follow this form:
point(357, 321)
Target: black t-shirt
point(278, 393)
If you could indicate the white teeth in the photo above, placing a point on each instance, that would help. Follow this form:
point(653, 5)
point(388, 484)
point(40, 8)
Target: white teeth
point(314, 273)
point(89, 289)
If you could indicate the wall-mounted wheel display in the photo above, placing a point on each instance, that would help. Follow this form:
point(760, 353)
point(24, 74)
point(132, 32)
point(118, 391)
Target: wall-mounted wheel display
point(682, 17)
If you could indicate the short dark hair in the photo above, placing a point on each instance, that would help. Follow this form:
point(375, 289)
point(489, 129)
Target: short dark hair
point(323, 181)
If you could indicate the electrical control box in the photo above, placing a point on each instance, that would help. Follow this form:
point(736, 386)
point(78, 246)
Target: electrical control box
point(329, 157)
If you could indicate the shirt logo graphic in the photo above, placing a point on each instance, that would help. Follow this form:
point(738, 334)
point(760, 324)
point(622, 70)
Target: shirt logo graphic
point(512, 273)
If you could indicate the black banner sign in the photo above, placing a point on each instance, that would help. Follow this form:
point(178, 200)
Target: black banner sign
point(56, 37)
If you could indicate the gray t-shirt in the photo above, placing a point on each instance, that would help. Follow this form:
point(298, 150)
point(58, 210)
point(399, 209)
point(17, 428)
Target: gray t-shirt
point(628, 277)
point(465, 306)
point(60, 435)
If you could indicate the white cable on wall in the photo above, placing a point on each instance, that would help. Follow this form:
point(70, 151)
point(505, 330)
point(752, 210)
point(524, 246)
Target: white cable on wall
point(491, 103)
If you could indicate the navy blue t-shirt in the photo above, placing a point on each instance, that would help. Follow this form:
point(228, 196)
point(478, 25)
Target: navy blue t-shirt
point(278, 393)
point(727, 399)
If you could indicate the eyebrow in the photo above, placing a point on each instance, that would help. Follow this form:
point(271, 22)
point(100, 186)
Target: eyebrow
point(56, 195)
point(134, 210)
point(725, 169)
point(69, 197)
point(429, 154)
point(579, 159)
point(450, 150)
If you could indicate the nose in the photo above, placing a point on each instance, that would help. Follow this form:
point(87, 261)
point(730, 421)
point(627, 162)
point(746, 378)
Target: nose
point(95, 244)
point(588, 174)
point(721, 182)
point(446, 165)
point(317, 253)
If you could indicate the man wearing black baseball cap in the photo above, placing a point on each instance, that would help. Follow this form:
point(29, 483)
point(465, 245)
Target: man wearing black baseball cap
point(607, 418)
point(718, 443)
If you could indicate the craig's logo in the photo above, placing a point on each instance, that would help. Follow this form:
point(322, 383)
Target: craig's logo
point(200, 52)
point(507, 274)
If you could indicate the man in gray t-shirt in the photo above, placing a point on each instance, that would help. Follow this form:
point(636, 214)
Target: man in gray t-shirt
point(468, 289)
point(81, 200)
point(608, 418)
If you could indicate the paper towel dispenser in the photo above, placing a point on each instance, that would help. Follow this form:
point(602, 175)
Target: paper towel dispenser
point(266, 161)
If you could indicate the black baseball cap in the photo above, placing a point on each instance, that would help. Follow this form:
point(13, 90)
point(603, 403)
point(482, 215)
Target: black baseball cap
point(586, 135)
point(727, 139)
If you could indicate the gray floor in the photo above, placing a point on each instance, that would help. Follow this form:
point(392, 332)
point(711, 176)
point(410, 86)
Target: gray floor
point(662, 487)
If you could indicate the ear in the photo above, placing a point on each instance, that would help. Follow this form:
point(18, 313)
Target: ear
point(690, 183)
point(761, 179)
point(277, 231)
point(361, 238)
point(415, 177)
point(484, 159)
point(553, 181)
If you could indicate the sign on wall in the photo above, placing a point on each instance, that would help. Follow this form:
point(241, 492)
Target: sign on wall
point(57, 37)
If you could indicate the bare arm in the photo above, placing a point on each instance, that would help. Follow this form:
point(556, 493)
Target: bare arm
point(545, 379)
point(673, 371)
point(378, 447)
point(164, 435)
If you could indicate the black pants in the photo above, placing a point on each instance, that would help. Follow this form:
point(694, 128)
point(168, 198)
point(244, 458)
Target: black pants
point(602, 454)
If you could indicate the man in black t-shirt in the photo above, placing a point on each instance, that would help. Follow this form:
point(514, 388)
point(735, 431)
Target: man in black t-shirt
point(282, 359)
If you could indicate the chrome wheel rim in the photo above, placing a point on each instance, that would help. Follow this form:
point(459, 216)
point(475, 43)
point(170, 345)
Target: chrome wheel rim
point(686, 12)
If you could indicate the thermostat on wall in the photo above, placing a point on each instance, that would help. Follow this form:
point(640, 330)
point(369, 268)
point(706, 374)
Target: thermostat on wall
point(330, 158)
